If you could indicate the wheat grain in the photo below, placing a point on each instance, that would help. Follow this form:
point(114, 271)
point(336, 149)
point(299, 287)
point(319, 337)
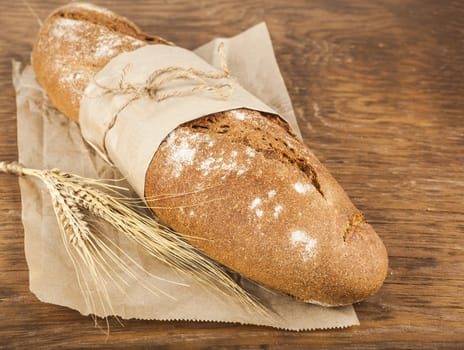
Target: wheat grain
point(97, 259)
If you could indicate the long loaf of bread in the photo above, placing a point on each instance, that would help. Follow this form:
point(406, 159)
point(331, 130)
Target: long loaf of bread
point(269, 209)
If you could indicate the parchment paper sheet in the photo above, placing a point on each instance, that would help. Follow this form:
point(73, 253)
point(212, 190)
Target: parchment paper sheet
point(47, 139)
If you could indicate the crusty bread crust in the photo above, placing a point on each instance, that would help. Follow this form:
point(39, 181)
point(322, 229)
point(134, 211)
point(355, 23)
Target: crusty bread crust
point(266, 206)
point(74, 43)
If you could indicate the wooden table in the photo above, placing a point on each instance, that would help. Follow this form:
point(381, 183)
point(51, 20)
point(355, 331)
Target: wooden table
point(378, 88)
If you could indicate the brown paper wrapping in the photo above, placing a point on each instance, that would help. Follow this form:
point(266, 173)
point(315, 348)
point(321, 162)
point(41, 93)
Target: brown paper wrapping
point(130, 144)
point(47, 139)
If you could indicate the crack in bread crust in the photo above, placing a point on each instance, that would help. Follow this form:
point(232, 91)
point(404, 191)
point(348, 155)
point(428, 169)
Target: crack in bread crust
point(274, 140)
point(355, 220)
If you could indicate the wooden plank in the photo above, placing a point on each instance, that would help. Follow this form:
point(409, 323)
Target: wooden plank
point(378, 90)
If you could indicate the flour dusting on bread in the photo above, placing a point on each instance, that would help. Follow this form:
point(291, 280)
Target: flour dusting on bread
point(306, 244)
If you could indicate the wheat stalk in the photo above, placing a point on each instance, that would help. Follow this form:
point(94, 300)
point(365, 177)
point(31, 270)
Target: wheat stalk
point(96, 258)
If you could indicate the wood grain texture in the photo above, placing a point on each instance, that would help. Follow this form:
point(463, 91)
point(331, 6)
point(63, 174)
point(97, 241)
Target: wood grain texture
point(378, 89)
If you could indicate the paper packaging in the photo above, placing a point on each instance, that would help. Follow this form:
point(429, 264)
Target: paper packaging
point(113, 133)
point(47, 139)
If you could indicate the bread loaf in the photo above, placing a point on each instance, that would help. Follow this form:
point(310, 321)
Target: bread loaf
point(265, 205)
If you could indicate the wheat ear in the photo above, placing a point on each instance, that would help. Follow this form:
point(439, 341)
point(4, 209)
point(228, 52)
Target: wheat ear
point(76, 199)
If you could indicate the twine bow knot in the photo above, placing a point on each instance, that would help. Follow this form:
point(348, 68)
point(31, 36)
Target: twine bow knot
point(156, 87)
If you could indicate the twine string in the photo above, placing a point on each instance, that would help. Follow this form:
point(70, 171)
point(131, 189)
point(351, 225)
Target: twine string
point(155, 87)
